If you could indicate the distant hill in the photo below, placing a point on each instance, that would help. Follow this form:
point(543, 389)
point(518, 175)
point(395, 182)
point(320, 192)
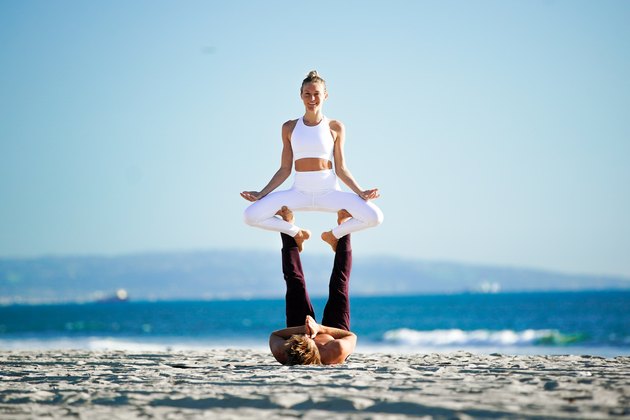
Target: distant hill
point(242, 274)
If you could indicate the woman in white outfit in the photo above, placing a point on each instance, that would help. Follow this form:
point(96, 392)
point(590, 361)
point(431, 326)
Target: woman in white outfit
point(312, 143)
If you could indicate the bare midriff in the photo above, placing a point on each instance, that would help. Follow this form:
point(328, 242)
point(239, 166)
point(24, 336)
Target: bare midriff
point(312, 164)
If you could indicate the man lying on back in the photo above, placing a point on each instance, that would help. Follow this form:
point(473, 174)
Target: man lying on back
point(304, 341)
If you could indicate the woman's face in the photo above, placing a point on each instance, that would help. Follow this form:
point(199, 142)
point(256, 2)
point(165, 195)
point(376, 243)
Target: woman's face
point(313, 96)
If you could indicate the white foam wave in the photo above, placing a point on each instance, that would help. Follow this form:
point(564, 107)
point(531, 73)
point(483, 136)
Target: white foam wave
point(457, 337)
point(127, 344)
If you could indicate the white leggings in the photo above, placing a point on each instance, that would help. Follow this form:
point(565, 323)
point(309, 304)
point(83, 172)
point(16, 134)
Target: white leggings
point(313, 191)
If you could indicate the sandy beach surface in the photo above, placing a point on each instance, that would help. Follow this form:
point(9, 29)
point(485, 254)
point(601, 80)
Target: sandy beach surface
point(250, 384)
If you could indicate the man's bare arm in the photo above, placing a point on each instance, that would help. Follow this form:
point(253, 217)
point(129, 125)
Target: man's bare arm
point(336, 350)
point(279, 337)
point(276, 345)
point(336, 333)
point(288, 332)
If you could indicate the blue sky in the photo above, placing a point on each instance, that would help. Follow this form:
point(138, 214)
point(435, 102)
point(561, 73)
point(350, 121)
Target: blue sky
point(497, 131)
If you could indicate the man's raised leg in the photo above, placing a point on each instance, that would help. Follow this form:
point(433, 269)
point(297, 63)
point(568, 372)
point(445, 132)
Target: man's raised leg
point(298, 304)
point(337, 310)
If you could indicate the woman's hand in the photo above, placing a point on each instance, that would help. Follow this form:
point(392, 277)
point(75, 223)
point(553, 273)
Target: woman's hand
point(370, 194)
point(312, 327)
point(251, 195)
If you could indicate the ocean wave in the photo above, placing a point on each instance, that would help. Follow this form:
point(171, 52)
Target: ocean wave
point(126, 344)
point(457, 337)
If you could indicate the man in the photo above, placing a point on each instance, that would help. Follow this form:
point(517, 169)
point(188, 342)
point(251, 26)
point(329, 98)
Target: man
point(304, 341)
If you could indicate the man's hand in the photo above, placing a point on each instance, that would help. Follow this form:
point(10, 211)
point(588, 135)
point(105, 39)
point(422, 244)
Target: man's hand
point(312, 327)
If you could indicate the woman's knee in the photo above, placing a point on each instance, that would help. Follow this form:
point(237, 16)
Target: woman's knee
point(368, 213)
point(373, 216)
point(376, 218)
point(249, 217)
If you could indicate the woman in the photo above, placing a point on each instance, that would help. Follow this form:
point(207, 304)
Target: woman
point(312, 143)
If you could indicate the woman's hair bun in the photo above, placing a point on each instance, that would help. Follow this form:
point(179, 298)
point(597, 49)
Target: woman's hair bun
point(313, 77)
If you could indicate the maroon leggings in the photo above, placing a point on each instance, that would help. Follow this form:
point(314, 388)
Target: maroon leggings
point(298, 304)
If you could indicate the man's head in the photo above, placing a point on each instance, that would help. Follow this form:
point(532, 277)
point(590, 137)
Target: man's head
point(302, 350)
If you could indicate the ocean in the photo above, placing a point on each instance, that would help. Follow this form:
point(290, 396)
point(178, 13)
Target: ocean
point(595, 323)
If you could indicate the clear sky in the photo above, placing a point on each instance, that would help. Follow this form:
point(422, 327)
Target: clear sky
point(497, 131)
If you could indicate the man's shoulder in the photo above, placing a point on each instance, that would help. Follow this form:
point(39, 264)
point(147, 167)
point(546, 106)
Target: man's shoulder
point(337, 350)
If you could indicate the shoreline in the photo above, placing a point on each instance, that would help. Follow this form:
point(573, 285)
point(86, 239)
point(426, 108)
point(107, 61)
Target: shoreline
point(244, 383)
point(260, 344)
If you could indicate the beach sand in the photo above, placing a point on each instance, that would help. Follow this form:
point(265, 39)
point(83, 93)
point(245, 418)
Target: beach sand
point(250, 384)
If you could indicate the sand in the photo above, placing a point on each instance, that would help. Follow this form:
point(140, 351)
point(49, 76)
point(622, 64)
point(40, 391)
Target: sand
point(250, 384)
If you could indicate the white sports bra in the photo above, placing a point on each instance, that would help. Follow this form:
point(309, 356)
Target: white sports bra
point(312, 142)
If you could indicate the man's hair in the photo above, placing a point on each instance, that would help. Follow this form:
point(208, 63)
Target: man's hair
point(302, 350)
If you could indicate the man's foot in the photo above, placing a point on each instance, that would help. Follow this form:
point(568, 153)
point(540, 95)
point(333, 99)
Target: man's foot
point(342, 216)
point(330, 239)
point(301, 236)
point(286, 214)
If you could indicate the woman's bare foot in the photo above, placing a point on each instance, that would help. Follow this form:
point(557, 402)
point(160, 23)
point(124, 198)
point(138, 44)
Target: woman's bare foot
point(301, 236)
point(286, 214)
point(330, 239)
point(342, 216)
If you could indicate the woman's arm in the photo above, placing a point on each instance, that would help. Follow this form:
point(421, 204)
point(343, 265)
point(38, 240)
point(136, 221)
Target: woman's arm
point(286, 165)
point(339, 134)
